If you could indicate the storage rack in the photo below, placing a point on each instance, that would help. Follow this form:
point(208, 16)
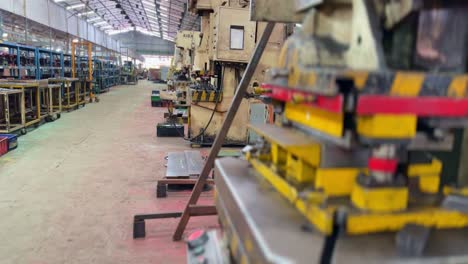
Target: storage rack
point(51, 63)
point(21, 62)
point(67, 67)
point(18, 61)
point(105, 73)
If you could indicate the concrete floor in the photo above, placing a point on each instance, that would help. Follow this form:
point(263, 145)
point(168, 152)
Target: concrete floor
point(69, 192)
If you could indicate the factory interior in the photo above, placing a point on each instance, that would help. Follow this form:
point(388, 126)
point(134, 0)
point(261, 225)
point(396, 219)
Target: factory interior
point(233, 131)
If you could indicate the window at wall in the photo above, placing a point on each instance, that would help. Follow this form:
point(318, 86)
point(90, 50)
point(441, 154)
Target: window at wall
point(237, 38)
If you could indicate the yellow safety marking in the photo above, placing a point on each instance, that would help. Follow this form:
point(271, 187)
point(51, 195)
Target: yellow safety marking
point(435, 167)
point(309, 153)
point(451, 190)
point(212, 96)
point(458, 86)
point(298, 170)
point(278, 154)
point(248, 244)
point(407, 84)
point(336, 181)
point(387, 126)
point(322, 219)
point(380, 199)
point(308, 150)
point(429, 183)
point(359, 77)
point(233, 245)
point(328, 122)
point(431, 217)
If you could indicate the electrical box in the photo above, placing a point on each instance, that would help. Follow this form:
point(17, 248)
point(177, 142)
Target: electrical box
point(234, 35)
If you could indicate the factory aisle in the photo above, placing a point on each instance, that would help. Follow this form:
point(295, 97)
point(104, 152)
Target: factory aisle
point(69, 192)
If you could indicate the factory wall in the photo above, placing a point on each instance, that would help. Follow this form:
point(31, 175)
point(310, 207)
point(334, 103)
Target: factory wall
point(48, 13)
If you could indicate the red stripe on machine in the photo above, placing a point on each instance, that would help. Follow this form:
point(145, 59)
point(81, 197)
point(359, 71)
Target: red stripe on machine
point(384, 165)
point(420, 106)
point(285, 94)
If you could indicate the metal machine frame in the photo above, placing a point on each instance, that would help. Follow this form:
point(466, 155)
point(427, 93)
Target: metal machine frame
point(7, 100)
point(51, 98)
point(341, 151)
point(31, 102)
point(70, 93)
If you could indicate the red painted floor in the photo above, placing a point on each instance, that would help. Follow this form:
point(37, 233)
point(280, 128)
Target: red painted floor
point(69, 192)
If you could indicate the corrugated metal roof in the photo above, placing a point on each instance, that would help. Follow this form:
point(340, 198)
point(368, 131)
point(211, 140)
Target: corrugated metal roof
point(160, 18)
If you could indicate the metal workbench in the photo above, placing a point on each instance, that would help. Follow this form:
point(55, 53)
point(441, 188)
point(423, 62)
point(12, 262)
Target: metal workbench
point(183, 168)
point(265, 228)
point(184, 164)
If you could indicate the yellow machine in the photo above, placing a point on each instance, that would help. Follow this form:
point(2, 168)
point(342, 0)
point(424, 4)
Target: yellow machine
point(228, 38)
point(361, 91)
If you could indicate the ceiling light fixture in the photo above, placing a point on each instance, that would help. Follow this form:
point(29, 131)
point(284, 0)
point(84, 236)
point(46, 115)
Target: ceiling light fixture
point(93, 19)
point(75, 6)
point(86, 13)
point(100, 23)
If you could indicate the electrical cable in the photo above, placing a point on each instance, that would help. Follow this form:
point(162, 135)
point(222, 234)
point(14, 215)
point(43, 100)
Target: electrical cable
point(207, 108)
point(209, 121)
point(214, 109)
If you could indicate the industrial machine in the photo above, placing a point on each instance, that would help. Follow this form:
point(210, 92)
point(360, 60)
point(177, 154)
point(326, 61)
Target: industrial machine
point(361, 92)
point(228, 38)
point(178, 83)
point(128, 73)
point(181, 77)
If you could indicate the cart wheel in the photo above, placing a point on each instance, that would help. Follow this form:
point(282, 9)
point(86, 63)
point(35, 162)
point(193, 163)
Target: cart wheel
point(161, 191)
point(51, 118)
point(59, 115)
point(24, 131)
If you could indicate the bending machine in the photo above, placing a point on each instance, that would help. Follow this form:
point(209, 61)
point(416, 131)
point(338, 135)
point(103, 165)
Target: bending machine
point(362, 91)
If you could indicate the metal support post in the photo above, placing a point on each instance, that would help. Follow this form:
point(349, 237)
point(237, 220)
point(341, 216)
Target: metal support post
point(191, 209)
